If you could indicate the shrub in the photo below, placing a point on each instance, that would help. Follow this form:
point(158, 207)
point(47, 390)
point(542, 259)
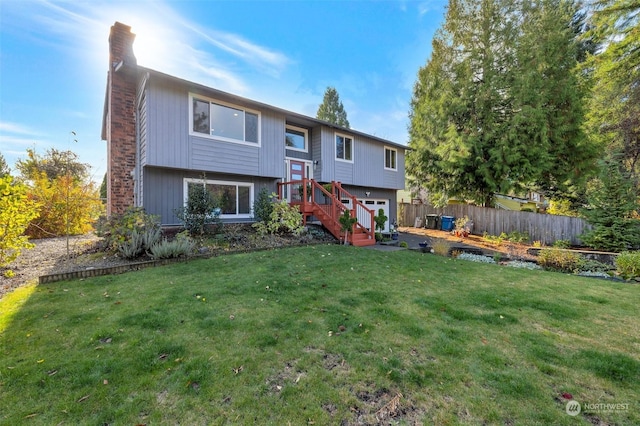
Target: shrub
point(201, 213)
point(440, 247)
point(403, 244)
point(182, 246)
point(119, 228)
point(628, 264)
point(16, 211)
point(284, 219)
point(523, 265)
point(612, 210)
point(133, 246)
point(380, 220)
point(562, 244)
point(518, 237)
point(497, 240)
point(263, 205)
point(346, 223)
point(560, 260)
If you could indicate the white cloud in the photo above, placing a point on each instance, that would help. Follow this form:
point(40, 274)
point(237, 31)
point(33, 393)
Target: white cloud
point(15, 128)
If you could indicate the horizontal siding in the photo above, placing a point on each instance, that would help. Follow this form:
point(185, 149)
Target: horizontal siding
point(224, 157)
point(169, 143)
point(367, 168)
point(165, 187)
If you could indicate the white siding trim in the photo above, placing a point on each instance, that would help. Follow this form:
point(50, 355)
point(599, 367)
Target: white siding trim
point(306, 138)
point(335, 147)
point(230, 105)
point(249, 215)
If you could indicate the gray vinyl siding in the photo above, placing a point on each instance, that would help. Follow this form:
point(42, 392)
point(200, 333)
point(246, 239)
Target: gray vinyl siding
point(142, 142)
point(169, 143)
point(367, 168)
point(317, 154)
point(165, 190)
point(377, 193)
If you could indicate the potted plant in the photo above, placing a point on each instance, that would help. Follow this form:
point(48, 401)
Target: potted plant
point(380, 220)
point(346, 223)
point(463, 226)
point(301, 192)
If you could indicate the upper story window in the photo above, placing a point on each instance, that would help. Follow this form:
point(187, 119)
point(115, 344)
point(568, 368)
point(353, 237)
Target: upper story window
point(344, 148)
point(390, 158)
point(224, 121)
point(297, 138)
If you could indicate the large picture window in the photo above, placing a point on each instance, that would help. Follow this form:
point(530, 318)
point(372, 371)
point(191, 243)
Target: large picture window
point(344, 148)
point(296, 138)
point(234, 198)
point(390, 159)
point(224, 121)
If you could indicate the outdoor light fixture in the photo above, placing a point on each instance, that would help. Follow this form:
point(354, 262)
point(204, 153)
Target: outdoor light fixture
point(367, 193)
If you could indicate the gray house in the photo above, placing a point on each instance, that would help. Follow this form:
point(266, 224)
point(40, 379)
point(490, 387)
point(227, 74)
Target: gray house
point(164, 133)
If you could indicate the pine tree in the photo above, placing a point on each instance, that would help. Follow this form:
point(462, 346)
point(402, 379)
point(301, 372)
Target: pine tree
point(331, 109)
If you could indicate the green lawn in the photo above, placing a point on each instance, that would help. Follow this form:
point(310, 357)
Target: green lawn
point(321, 335)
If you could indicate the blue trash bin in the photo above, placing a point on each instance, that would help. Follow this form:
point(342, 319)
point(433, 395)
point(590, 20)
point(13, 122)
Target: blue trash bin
point(447, 223)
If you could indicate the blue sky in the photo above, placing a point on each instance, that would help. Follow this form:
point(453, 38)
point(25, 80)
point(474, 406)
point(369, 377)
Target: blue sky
point(53, 61)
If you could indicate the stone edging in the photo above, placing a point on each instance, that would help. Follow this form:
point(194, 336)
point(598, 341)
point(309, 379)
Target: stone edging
point(136, 266)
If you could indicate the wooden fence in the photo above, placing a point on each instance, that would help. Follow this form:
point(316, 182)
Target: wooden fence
point(545, 228)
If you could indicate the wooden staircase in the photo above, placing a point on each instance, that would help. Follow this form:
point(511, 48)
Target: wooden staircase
point(314, 200)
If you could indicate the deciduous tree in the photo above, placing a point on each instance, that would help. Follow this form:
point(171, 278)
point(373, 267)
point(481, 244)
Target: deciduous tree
point(16, 212)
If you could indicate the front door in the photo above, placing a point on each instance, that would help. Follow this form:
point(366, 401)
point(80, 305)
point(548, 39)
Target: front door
point(296, 172)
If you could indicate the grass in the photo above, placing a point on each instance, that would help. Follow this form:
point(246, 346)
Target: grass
point(321, 335)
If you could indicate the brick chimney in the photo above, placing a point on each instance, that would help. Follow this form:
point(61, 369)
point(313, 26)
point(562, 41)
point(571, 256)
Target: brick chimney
point(119, 125)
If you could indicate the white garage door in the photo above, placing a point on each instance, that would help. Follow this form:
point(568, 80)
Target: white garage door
point(371, 204)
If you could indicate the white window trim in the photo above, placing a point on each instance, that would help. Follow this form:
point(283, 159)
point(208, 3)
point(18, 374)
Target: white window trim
point(306, 138)
point(249, 215)
point(385, 158)
point(335, 147)
point(227, 104)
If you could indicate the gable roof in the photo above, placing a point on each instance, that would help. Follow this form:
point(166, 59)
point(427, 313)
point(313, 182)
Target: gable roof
point(294, 117)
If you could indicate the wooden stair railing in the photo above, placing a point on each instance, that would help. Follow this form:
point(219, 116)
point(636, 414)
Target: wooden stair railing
point(329, 212)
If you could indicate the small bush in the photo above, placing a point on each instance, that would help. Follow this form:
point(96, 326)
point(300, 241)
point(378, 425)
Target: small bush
point(562, 244)
point(628, 264)
point(560, 260)
point(284, 219)
point(133, 246)
point(440, 247)
point(492, 239)
point(518, 237)
point(182, 246)
point(263, 205)
point(118, 228)
point(523, 265)
point(200, 214)
point(403, 244)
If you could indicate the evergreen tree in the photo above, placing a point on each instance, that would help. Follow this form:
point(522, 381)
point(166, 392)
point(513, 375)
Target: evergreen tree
point(612, 209)
point(331, 109)
point(4, 167)
point(497, 106)
point(614, 109)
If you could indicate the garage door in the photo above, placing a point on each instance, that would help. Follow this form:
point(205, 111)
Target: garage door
point(371, 204)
